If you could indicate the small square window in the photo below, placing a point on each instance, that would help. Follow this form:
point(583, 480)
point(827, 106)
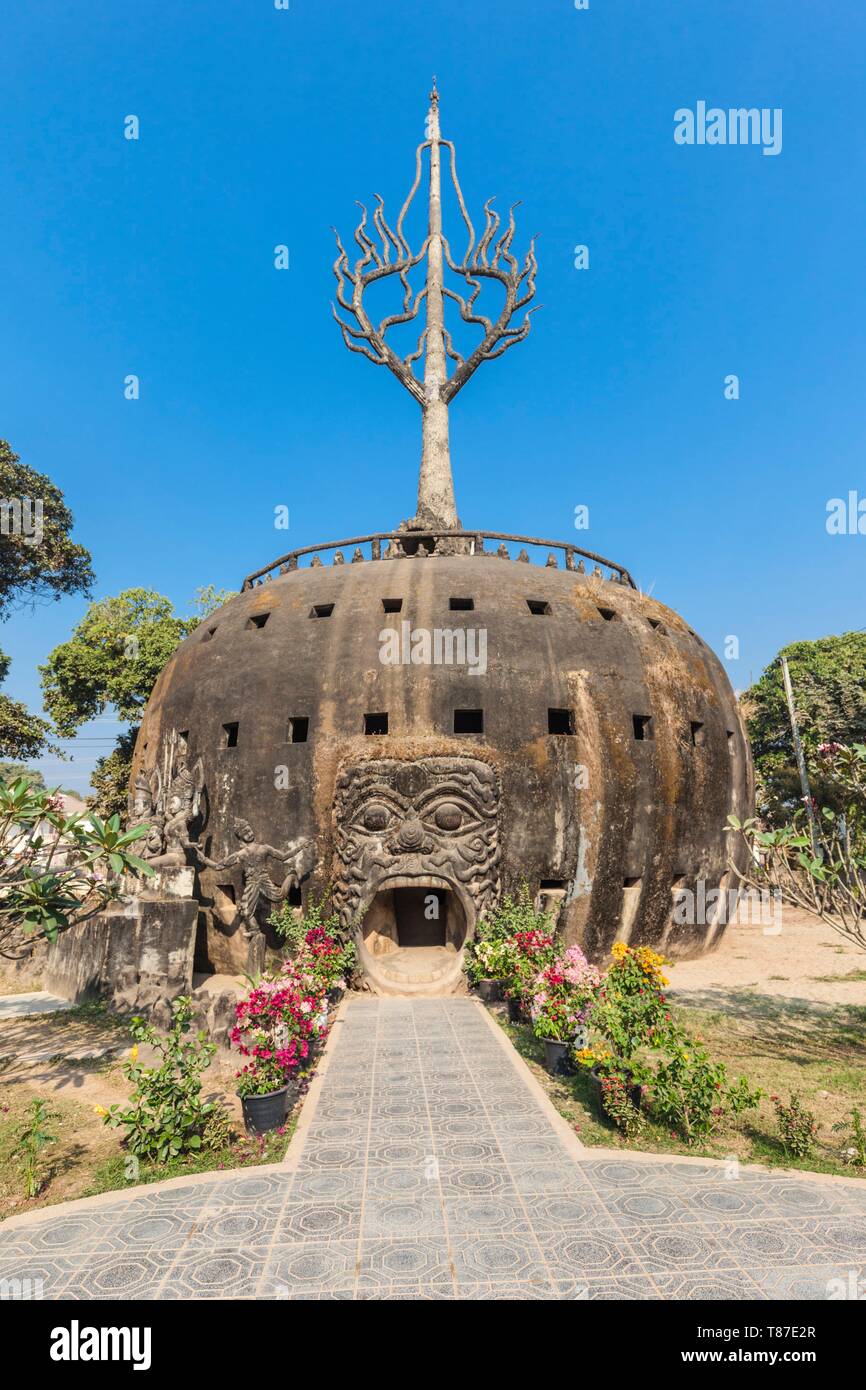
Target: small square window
point(230, 735)
point(208, 633)
point(643, 726)
point(392, 605)
point(560, 721)
point(539, 606)
point(321, 610)
point(469, 721)
point(257, 620)
point(376, 723)
point(299, 728)
point(732, 746)
point(608, 614)
point(697, 731)
point(461, 605)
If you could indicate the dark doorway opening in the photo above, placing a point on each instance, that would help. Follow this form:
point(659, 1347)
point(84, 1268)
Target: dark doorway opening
point(419, 916)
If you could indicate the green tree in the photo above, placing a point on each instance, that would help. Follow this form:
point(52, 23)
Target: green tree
point(110, 777)
point(829, 681)
point(11, 771)
point(55, 565)
point(38, 562)
point(113, 659)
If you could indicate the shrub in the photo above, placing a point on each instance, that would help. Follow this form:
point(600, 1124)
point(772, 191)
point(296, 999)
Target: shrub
point(618, 1104)
point(219, 1128)
point(166, 1115)
point(32, 1138)
point(563, 995)
point(276, 1026)
point(631, 1011)
point(797, 1126)
point(693, 1095)
point(854, 1150)
point(326, 958)
point(293, 925)
point(511, 931)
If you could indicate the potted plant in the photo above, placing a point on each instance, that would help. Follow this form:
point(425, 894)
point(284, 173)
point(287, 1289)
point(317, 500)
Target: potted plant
point(563, 996)
point(561, 1001)
point(612, 1083)
point(512, 929)
point(328, 960)
point(264, 1087)
point(276, 1026)
point(530, 951)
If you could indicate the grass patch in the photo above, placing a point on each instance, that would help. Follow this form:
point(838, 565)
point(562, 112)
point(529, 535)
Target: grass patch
point(121, 1170)
point(777, 1044)
point(852, 977)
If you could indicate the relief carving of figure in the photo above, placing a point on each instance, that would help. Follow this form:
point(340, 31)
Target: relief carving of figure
point(167, 813)
point(252, 859)
point(431, 818)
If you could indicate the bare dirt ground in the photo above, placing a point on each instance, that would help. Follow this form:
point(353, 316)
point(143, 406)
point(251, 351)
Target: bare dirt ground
point(74, 1062)
point(805, 961)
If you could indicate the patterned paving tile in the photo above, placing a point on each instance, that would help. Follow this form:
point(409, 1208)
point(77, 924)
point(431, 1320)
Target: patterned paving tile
point(583, 1256)
point(431, 1170)
point(317, 1221)
point(311, 1267)
point(386, 1263)
point(413, 1214)
point(507, 1256)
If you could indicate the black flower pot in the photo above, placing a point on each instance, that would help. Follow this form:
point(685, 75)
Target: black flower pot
point(556, 1057)
point(515, 1011)
point(490, 991)
point(635, 1092)
point(263, 1113)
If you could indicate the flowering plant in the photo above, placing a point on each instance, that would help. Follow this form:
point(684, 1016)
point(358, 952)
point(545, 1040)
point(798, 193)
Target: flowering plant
point(325, 958)
point(533, 951)
point(276, 1026)
point(505, 935)
point(561, 998)
point(692, 1094)
point(630, 1009)
point(165, 1115)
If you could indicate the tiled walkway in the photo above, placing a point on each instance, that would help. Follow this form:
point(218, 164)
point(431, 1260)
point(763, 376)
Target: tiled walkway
point(429, 1165)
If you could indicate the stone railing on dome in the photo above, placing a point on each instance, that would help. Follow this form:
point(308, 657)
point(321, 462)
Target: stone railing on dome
point(419, 544)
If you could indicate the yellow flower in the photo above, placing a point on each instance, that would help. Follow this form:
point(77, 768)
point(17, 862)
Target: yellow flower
point(99, 1110)
point(619, 950)
point(133, 1053)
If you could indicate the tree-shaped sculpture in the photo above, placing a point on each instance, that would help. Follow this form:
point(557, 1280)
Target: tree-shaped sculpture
point(488, 258)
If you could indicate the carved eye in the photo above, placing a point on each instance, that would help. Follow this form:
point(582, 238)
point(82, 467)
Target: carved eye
point(448, 816)
point(375, 818)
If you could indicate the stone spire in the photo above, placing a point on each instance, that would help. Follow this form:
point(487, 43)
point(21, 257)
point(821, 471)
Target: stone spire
point(488, 258)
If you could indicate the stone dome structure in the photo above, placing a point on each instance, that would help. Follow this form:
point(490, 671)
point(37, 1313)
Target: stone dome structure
point(573, 732)
point(416, 722)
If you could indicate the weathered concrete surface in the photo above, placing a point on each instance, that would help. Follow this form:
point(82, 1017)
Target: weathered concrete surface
point(23, 1005)
point(429, 1164)
point(601, 821)
point(137, 954)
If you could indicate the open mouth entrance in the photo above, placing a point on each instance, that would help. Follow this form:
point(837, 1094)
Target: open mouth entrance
point(413, 936)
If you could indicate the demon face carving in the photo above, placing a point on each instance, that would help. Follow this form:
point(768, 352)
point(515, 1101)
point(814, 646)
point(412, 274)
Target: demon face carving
point(432, 819)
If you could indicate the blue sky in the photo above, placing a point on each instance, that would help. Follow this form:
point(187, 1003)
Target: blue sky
point(261, 126)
